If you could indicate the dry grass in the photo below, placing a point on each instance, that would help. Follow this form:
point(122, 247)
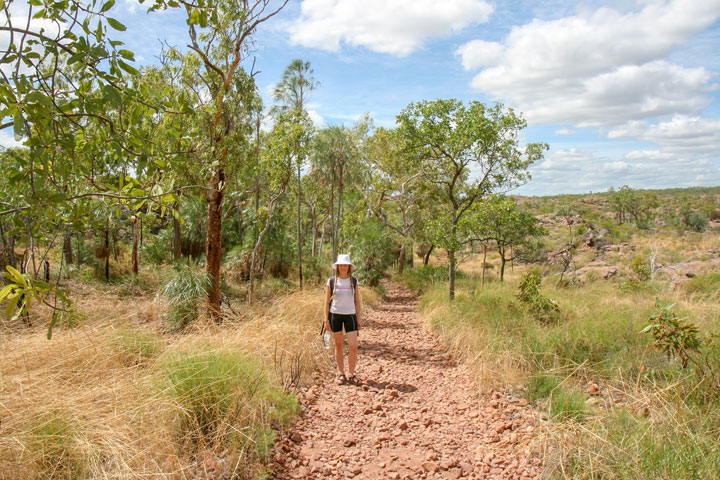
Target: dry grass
point(492, 365)
point(118, 418)
point(90, 402)
point(652, 420)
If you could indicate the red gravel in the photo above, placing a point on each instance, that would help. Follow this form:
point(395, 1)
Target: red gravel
point(414, 414)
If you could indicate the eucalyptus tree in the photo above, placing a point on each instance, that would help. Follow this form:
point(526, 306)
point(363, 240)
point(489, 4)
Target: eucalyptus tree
point(394, 190)
point(338, 153)
point(291, 95)
point(274, 171)
point(466, 153)
point(71, 96)
point(317, 206)
point(501, 220)
point(220, 35)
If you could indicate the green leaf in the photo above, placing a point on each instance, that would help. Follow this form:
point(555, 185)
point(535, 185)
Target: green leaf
point(5, 291)
point(38, 97)
point(112, 95)
point(128, 68)
point(194, 17)
point(18, 126)
point(107, 6)
point(17, 276)
point(116, 25)
point(52, 324)
point(126, 54)
point(10, 308)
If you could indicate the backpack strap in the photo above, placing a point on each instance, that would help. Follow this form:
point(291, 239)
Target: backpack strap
point(354, 282)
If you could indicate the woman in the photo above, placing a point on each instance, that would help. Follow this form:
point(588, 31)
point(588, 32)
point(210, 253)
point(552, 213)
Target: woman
point(342, 309)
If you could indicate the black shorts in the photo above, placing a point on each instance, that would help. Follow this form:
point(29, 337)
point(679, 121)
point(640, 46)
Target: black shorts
point(339, 320)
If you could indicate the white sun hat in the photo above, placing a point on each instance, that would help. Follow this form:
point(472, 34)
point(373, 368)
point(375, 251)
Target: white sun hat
point(343, 259)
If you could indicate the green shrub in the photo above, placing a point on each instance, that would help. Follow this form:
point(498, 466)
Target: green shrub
point(158, 249)
point(420, 279)
point(694, 220)
point(226, 399)
point(541, 308)
point(640, 266)
point(317, 269)
point(675, 337)
point(373, 250)
point(184, 292)
point(679, 338)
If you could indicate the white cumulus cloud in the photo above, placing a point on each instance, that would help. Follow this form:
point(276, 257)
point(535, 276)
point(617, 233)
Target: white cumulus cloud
point(599, 67)
point(395, 27)
point(317, 119)
point(583, 170)
point(7, 139)
point(682, 136)
point(479, 53)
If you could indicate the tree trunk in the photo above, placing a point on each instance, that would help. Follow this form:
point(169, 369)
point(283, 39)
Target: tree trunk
point(214, 242)
point(299, 226)
point(258, 242)
point(401, 260)
point(240, 225)
point(322, 236)
point(451, 258)
point(426, 259)
point(482, 282)
point(338, 237)
point(314, 231)
point(67, 245)
point(502, 264)
point(141, 232)
point(411, 257)
point(332, 218)
point(177, 239)
point(78, 257)
point(107, 257)
point(135, 259)
point(9, 246)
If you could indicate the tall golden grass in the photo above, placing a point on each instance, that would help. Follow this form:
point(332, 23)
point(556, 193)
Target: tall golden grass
point(91, 402)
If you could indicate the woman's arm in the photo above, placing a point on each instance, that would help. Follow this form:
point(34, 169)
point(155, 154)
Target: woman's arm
point(358, 303)
point(328, 296)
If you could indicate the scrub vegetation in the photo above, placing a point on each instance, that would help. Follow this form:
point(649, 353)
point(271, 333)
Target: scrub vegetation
point(165, 238)
point(627, 374)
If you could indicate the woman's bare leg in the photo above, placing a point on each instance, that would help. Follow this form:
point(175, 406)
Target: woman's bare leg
point(338, 336)
point(352, 340)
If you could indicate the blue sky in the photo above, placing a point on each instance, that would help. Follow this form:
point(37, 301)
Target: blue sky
point(625, 92)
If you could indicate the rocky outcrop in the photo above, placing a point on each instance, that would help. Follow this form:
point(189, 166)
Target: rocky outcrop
point(602, 269)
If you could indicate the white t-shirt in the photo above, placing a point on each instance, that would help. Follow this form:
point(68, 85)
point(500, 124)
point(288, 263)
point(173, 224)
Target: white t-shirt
point(343, 301)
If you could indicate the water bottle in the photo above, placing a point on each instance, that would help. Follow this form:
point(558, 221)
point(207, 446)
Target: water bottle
point(326, 340)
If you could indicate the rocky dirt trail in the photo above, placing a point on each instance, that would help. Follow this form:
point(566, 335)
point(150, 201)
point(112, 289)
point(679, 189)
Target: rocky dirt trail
point(415, 414)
